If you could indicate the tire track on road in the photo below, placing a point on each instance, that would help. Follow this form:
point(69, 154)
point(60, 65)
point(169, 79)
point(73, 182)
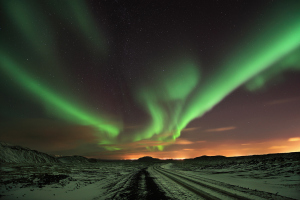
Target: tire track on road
point(255, 193)
point(136, 186)
point(203, 190)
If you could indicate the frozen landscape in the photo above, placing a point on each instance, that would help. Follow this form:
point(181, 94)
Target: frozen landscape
point(172, 99)
point(29, 174)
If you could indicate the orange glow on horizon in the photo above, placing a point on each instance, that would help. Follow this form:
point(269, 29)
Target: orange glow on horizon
point(229, 150)
point(295, 139)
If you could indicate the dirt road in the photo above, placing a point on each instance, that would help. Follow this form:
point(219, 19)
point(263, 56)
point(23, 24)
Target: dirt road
point(156, 182)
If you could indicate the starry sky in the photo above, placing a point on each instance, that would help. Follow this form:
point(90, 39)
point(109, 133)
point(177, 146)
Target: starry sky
point(168, 79)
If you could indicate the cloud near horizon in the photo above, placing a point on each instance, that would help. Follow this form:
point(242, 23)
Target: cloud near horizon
point(295, 139)
point(221, 129)
point(277, 147)
point(283, 101)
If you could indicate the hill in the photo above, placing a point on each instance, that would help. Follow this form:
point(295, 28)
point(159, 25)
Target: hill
point(16, 154)
point(209, 158)
point(148, 159)
point(74, 159)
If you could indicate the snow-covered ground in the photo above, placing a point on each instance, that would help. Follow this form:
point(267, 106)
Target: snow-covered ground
point(282, 178)
point(62, 181)
point(106, 180)
point(33, 175)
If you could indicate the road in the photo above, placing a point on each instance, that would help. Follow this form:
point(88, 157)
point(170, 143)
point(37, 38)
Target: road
point(156, 182)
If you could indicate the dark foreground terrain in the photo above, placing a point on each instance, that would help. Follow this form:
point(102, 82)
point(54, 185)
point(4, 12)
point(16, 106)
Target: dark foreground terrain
point(274, 176)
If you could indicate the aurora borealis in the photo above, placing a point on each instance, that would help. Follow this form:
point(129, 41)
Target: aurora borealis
point(128, 79)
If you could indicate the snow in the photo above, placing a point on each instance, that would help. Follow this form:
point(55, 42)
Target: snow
point(28, 174)
point(17, 154)
point(281, 186)
point(167, 166)
point(281, 178)
point(62, 181)
point(49, 193)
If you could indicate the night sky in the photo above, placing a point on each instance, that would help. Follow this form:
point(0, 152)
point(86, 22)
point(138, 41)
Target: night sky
point(168, 79)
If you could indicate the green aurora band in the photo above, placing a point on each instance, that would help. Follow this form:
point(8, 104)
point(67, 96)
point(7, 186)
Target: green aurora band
point(75, 14)
point(253, 64)
point(165, 98)
point(178, 95)
point(73, 112)
point(22, 15)
point(276, 49)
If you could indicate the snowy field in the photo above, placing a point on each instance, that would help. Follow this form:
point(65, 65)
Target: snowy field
point(249, 178)
point(279, 176)
point(62, 181)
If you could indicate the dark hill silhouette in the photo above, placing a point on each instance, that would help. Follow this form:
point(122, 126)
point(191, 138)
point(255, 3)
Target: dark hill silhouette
point(16, 154)
point(73, 159)
point(209, 157)
point(148, 159)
